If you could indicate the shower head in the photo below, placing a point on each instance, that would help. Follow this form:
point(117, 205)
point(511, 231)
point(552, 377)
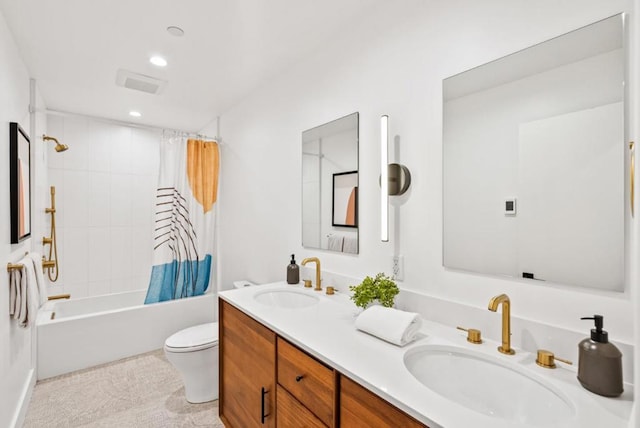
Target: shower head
point(59, 147)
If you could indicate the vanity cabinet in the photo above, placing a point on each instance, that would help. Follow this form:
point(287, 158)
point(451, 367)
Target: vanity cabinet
point(359, 407)
point(265, 381)
point(247, 370)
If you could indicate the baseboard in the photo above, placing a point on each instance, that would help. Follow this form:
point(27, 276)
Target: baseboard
point(21, 412)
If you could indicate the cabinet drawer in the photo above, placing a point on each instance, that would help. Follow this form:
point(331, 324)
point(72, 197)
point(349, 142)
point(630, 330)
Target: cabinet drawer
point(292, 414)
point(308, 380)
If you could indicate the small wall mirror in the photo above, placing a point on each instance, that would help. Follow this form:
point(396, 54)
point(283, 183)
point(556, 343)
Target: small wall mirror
point(330, 186)
point(534, 162)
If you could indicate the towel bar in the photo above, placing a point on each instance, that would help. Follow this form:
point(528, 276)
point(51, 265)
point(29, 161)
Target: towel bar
point(12, 267)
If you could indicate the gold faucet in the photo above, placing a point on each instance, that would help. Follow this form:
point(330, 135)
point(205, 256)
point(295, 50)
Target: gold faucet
point(506, 321)
point(317, 262)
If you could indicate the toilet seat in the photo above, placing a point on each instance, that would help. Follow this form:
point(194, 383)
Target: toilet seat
point(193, 339)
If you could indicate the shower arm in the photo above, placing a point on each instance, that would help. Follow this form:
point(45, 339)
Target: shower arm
point(50, 264)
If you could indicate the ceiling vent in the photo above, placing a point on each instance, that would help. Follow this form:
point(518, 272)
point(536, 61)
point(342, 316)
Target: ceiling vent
point(140, 82)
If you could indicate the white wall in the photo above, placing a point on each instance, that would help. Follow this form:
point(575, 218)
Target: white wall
point(17, 345)
point(392, 62)
point(105, 195)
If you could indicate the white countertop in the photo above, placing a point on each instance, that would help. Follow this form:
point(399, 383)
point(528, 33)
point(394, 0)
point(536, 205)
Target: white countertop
point(326, 330)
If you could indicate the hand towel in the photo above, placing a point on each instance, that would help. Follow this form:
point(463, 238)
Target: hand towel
point(335, 242)
point(29, 289)
point(41, 284)
point(14, 294)
point(394, 326)
point(350, 245)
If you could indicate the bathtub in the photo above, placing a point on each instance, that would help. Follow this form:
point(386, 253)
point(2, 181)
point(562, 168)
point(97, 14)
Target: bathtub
point(79, 333)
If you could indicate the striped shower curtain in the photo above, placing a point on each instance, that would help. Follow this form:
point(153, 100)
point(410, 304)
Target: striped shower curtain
point(184, 218)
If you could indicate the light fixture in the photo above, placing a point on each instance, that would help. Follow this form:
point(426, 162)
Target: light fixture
point(158, 61)
point(175, 31)
point(384, 178)
point(395, 178)
point(135, 113)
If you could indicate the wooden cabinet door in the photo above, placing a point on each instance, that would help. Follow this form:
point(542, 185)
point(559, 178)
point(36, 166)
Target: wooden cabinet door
point(359, 407)
point(247, 370)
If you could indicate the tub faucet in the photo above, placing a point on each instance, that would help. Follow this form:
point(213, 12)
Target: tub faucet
point(506, 321)
point(317, 262)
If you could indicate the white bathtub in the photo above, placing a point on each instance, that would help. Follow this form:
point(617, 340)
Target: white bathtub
point(94, 330)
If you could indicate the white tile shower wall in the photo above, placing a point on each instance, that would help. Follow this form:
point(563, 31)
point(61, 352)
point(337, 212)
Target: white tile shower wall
point(105, 188)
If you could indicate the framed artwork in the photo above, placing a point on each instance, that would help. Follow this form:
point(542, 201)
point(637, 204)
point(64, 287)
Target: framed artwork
point(20, 183)
point(345, 199)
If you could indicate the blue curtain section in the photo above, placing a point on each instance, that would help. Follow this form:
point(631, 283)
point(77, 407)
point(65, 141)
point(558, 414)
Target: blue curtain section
point(176, 280)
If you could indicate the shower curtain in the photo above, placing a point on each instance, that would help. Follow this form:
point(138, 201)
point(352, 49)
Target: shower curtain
point(184, 218)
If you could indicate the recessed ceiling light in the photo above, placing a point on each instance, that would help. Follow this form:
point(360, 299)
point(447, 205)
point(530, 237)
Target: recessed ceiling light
point(158, 61)
point(175, 31)
point(135, 113)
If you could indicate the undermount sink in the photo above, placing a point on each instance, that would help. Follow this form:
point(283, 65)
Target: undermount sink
point(290, 299)
point(487, 385)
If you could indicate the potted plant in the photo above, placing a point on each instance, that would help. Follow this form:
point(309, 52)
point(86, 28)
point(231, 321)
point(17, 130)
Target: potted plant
point(381, 289)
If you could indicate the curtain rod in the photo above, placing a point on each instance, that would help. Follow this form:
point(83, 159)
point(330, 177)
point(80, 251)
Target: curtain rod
point(125, 123)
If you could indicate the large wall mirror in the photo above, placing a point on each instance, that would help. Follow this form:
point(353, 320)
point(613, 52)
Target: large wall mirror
point(330, 186)
point(534, 162)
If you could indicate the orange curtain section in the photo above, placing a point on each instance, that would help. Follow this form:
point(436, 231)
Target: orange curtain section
point(203, 165)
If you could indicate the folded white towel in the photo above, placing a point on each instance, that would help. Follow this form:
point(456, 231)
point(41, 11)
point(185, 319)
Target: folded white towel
point(41, 284)
point(394, 326)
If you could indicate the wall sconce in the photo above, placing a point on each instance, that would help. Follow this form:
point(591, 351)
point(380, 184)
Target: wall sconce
point(396, 176)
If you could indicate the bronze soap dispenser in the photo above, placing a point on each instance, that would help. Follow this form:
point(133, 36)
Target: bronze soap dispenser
point(600, 362)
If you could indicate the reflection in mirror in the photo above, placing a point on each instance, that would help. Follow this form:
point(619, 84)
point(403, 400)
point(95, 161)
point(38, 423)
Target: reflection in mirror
point(533, 153)
point(330, 186)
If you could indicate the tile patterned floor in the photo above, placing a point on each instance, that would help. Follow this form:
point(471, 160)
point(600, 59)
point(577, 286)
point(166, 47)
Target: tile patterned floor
point(144, 391)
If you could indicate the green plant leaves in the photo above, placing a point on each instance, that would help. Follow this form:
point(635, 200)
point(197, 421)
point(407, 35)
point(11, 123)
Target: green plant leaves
point(381, 288)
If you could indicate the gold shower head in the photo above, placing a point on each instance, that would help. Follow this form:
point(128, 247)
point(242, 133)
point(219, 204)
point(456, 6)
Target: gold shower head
point(59, 147)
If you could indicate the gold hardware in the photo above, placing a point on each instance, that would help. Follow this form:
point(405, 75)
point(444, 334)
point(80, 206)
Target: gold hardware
point(317, 262)
point(60, 296)
point(307, 283)
point(11, 267)
point(632, 173)
point(59, 147)
point(331, 290)
point(546, 359)
point(50, 264)
point(506, 321)
point(473, 335)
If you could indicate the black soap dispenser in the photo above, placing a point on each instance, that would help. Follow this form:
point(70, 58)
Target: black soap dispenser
point(293, 271)
point(600, 362)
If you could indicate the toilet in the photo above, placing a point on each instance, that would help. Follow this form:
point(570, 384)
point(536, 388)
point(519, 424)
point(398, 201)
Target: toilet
point(194, 353)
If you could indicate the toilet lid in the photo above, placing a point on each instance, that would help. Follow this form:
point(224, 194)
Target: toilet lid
point(197, 336)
